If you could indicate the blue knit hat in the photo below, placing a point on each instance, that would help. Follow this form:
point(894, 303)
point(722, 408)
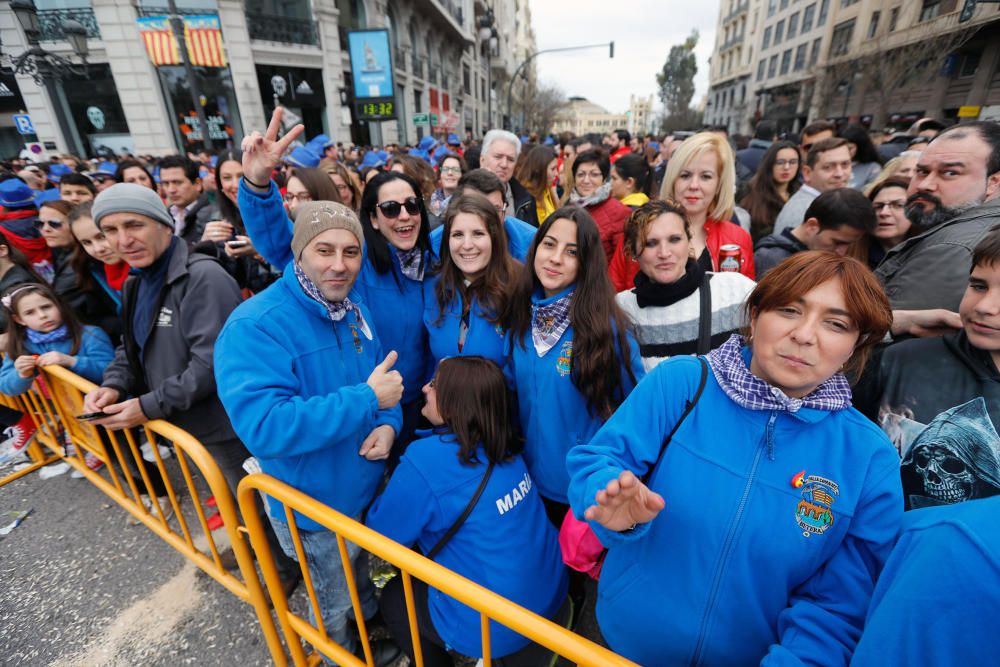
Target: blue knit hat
point(15, 193)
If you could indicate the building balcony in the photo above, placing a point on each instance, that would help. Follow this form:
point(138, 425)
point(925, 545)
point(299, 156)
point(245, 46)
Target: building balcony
point(163, 10)
point(50, 23)
point(400, 57)
point(734, 41)
point(447, 13)
point(737, 10)
point(286, 30)
point(432, 75)
point(418, 65)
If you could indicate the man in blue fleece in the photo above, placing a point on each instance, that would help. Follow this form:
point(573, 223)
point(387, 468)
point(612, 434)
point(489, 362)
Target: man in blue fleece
point(299, 372)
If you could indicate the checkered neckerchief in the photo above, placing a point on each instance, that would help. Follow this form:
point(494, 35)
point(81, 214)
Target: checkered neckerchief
point(752, 393)
point(337, 310)
point(549, 322)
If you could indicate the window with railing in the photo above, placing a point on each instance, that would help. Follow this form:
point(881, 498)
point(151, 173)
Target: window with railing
point(840, 41)
point(50, 22)
point(929, 10)
point(287, 22)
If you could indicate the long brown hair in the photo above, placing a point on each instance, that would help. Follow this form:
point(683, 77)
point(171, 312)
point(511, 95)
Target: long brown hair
point(533, 171)
point(763, 202)
point(492, 289)
point(864, 297)
point(474, 403)
point(600, 329)
point(80, 260)
point(17, 332)
point(332, 167)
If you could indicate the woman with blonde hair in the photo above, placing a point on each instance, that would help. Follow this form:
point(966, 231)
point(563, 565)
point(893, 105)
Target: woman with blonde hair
point(701, 177)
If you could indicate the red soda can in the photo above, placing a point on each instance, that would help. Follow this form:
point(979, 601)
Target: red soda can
point(730, 258)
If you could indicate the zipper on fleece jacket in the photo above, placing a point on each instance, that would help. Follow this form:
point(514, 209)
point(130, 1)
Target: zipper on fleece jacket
point(767, 441)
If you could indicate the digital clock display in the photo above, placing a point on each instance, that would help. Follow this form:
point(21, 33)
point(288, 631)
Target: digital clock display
point(376, 109)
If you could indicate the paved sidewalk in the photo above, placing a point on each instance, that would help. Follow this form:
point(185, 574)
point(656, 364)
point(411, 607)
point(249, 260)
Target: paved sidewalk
point(80, 587)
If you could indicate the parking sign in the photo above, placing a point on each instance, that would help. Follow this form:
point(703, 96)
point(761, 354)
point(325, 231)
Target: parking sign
point(23, 124)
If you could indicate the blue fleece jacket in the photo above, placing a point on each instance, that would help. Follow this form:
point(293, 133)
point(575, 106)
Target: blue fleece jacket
point(94, 355)
point(938, 599)
point(394, 301)
point(294, 385)
point(776, 526)
point(519, 237)
point(483, 338)
point(554, 414)
point(506, 544)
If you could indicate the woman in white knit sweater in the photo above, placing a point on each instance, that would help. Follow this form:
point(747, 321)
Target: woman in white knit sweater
point(676, 307)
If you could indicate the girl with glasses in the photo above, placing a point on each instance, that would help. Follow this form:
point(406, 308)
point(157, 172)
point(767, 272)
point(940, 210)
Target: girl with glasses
point(470, 288)
point(347, 188)
point(592, 191)
point(306, 184)
point(776, 180)
point(450, 170)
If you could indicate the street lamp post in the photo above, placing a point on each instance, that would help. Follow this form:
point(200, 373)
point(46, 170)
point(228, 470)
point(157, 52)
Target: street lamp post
point(510, 86)
point(46, 68)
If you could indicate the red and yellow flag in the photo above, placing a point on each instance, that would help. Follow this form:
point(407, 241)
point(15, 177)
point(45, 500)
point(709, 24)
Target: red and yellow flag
point(202, 35)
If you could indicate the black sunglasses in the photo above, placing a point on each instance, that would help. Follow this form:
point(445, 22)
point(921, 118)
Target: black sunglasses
point(54, 224)
point(391, 209)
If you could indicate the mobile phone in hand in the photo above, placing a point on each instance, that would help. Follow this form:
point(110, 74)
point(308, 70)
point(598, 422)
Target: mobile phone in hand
point(237, 244)
point(90, 416)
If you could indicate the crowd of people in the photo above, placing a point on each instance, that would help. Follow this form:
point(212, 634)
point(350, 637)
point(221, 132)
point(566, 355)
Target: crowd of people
point(752, 390)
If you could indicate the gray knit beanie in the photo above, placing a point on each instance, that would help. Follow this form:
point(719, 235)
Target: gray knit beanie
point(315, 217)
point(131, 198)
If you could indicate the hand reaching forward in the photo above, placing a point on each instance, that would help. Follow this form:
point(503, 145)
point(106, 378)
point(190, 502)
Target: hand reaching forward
point(624, 502)
point(261, 153)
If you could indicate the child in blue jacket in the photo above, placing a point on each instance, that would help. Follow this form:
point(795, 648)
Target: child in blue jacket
point(44, 332)
point(466, 296)
point(506, 543)
point(571, 357)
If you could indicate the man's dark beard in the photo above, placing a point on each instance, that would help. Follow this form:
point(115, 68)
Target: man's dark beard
point(924, 217)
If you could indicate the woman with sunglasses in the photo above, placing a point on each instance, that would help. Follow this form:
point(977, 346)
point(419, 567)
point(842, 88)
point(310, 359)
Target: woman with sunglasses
point(571, 354)
point(505, 543)
point(775, 504)
point(396, 255)
point(464, 299)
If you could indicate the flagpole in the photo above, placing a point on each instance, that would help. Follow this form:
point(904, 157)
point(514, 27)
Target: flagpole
point(177, 24)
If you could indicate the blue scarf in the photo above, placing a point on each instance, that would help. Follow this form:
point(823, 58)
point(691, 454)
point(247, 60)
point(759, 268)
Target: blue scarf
point(55, 336)
point(152, 280)
point(747, 390)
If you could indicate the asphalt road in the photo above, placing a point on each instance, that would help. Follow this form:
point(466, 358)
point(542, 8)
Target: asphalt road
point(82, 588)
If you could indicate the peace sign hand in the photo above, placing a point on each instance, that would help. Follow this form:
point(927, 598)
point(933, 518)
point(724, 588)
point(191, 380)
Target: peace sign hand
point(261, 153)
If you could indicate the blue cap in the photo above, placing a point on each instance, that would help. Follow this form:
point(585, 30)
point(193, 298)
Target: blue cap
point(15, 193)
point(441, 153)
point(422, 154)
point(203, 172)
point(371, 159)
point(42, 196)
point(655, 145)
point(302, 157)
point(427, 144)
point(453, 140)
point(108, 168)
point(525, 138)
point(549, 141)
point(57, 171)
point(318, 143)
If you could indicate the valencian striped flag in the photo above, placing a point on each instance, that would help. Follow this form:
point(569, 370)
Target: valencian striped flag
point(202, 34)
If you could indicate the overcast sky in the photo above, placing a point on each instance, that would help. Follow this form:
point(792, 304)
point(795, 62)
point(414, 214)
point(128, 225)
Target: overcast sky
point(643, 32)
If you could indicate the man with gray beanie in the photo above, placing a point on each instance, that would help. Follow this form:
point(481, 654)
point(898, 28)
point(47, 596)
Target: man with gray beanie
point(173, 306)
point(310, 391)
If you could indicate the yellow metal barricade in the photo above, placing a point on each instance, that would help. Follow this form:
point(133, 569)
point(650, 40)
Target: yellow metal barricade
point(54, 401)
point(37, 456)
point(490, 606)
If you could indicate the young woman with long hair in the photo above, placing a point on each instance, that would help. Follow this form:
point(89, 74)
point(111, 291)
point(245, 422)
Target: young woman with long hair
point(538, 172)
point(866, 163)
point(100, 272)
point(467, 295)
point(630, 180)
point(776, 180)
point(700, 176)
point(14, 268)
point(775, 504)
point(572, 356)
point(347, 187)
point(451, 168)
point(309, 184)
point(505, 544)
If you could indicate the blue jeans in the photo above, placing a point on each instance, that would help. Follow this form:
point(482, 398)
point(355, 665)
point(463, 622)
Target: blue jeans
point(329, 582)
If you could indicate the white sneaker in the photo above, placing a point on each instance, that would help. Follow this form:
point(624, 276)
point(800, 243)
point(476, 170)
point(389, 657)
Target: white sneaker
point(147, 452)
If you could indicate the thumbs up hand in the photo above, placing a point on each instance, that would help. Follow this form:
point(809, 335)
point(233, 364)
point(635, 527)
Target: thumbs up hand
point(386, 383)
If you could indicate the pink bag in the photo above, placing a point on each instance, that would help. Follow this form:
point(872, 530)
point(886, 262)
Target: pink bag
point(581, 550)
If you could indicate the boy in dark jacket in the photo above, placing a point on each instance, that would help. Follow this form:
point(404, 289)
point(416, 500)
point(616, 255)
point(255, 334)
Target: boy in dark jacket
point(938, 398)
point(834, 221)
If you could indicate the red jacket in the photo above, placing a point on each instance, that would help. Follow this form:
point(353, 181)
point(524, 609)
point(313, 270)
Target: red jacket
point(622, 269)
point(610, 216)
point(624, 150)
